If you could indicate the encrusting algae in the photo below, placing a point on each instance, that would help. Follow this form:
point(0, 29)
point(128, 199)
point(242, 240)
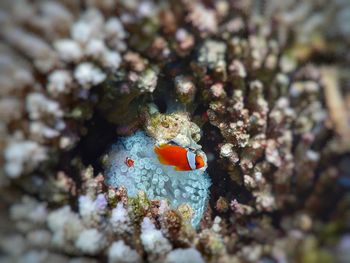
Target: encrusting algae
point(251, 99)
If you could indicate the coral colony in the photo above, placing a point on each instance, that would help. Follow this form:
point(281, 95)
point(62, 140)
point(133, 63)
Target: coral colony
point(258, 89)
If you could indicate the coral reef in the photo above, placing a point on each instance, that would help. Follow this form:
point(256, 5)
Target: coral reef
point(259, 89)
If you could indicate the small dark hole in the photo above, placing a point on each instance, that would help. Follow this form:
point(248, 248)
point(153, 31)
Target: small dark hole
point(161, 104)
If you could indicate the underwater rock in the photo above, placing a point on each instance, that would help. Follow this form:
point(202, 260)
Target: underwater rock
point(158, 181)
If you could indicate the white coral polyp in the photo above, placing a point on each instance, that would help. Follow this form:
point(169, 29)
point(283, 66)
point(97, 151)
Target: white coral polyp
point(58, 218)
point(39, 106)
point(81, 32)
point(86, 206)
point(158, 181)
point(90, 241)
point(226, 150)
point(91, 210)
point(111, 60)
point(60, 82)
point(95, 48)
point(121, 253)
point(115, 33)
point(65, 225)
point(29, 209)
point(40, 129)
point(119, 219)
point(181, 255)
point(68, 50)
point(23, 157)
point(152, 239)
point(88, 75)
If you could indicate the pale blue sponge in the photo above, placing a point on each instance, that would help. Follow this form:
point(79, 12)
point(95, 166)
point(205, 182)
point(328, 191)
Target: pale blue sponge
point(158, 181)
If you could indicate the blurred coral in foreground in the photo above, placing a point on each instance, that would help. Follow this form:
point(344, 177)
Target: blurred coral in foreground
point(261, 88)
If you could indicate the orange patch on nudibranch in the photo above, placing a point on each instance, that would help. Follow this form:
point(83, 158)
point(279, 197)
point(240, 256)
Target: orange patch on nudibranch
point(129, 162)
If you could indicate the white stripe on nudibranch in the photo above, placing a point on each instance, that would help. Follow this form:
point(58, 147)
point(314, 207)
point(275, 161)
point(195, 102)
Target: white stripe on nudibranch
point(191, 159)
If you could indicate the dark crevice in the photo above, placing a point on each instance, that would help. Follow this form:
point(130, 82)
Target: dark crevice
point(99, 138)
point(222, 184)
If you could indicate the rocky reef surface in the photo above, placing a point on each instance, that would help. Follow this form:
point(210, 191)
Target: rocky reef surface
point(260, 89)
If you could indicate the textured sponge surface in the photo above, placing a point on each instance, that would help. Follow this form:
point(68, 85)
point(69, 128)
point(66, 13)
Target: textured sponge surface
point(158, 181)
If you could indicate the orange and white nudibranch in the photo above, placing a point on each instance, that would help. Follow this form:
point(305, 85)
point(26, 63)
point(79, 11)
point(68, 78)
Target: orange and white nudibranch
point(129, 162)
point(183, 159)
